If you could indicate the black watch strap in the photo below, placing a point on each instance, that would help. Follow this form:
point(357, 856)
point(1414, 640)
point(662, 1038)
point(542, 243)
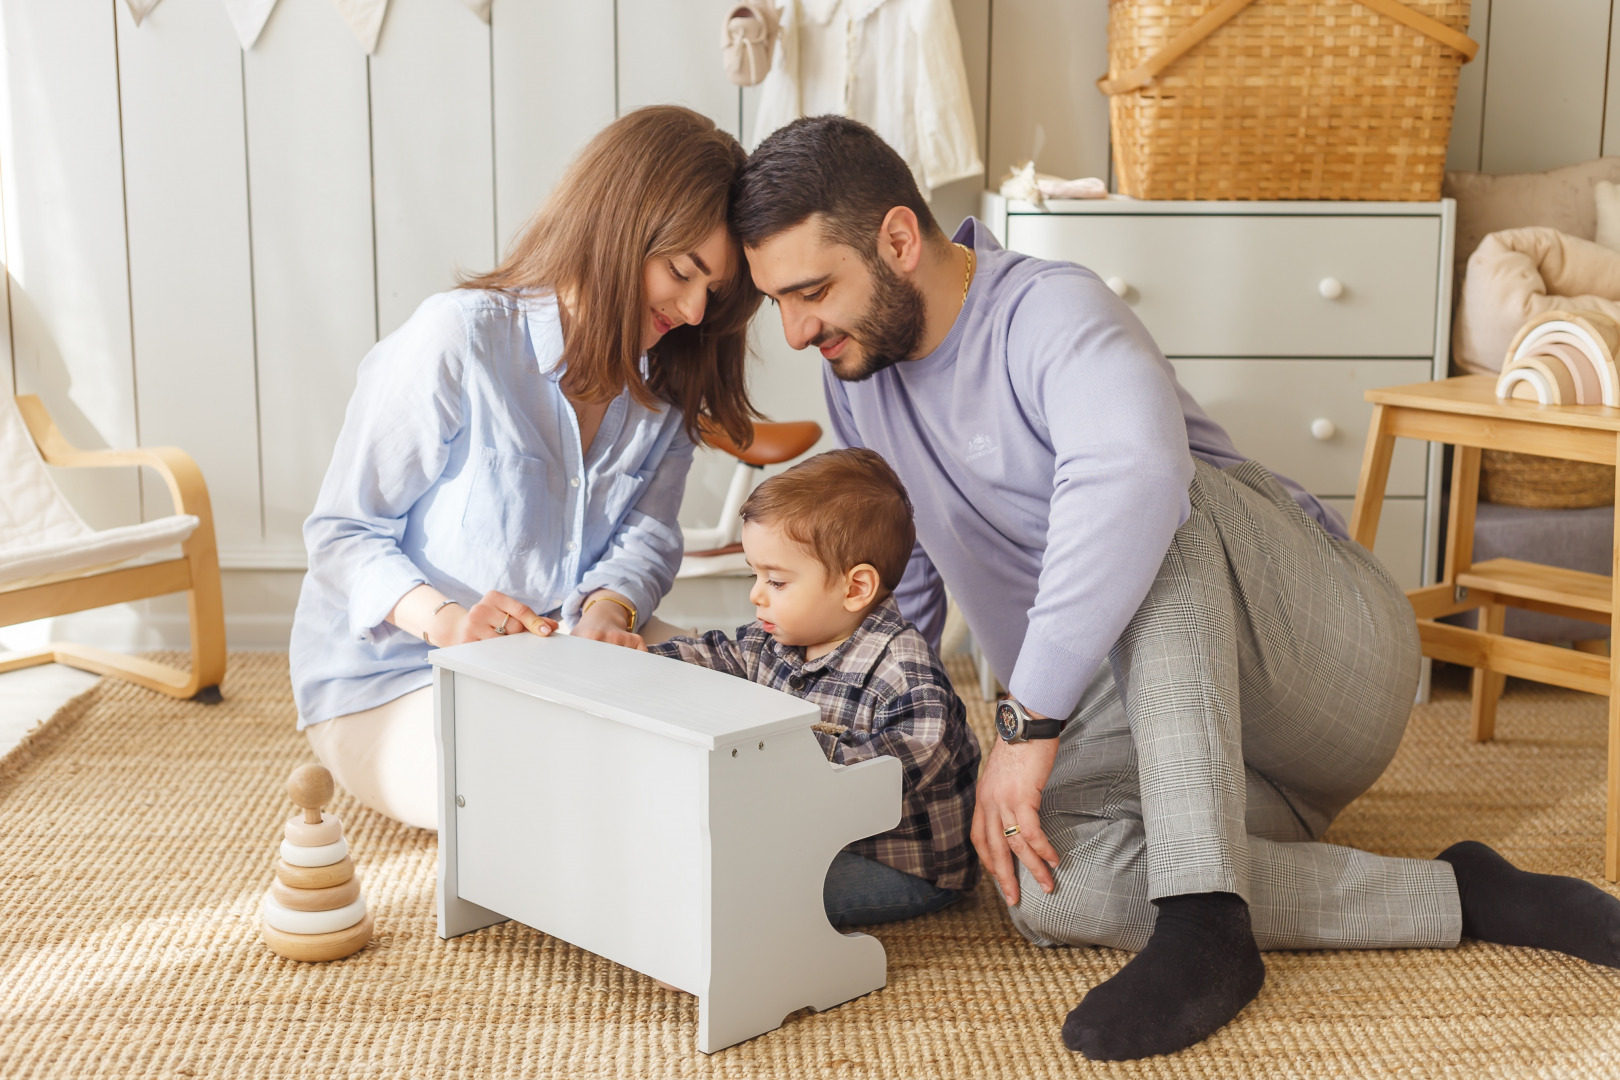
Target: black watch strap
point(1049, 728)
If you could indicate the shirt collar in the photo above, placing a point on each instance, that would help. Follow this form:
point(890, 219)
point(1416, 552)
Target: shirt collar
point(879, 627)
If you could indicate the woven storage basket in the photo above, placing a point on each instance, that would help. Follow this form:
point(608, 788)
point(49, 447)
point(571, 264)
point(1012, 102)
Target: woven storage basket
point(1283, 99)
point(1509, 479)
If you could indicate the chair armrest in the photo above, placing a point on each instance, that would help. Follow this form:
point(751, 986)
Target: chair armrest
point(179, 471)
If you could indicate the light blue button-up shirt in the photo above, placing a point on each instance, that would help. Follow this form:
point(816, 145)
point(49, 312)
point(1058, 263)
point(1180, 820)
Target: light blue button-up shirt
point(459, 465)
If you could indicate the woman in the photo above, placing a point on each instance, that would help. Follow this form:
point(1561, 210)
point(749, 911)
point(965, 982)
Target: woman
point(520, 446)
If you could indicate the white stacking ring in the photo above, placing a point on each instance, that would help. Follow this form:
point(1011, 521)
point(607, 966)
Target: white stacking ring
point(325, 855)
point(289, 921)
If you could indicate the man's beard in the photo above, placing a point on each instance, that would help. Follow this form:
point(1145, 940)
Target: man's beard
point(889, 330)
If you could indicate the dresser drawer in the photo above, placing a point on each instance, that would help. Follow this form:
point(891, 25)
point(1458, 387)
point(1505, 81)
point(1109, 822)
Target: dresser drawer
point(1253, 285)
point(1270, 407)
point(1400, 537)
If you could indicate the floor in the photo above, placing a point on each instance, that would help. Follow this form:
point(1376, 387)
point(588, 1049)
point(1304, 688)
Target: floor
point(34, 694)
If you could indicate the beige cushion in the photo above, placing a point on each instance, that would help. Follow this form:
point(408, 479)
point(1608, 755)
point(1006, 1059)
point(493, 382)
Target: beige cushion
point(1562, 199)
point(41, 535)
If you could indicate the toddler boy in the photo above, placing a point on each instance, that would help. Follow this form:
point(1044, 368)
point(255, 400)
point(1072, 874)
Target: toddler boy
point(828, 541)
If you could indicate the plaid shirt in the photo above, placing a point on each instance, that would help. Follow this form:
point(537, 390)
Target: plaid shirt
point(880, 692)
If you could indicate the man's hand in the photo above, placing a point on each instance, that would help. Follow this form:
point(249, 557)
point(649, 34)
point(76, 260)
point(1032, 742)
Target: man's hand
point(606, 621)
point(1010, 794)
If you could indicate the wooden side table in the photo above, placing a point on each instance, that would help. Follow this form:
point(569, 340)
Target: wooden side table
point(1465, 412)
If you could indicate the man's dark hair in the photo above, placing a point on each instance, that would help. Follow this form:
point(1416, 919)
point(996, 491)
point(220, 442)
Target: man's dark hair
point(828, 165)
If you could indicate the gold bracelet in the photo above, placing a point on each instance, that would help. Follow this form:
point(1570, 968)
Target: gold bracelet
point(628, 607)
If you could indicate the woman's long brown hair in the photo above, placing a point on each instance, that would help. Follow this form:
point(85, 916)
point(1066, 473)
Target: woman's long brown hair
point(652, 184)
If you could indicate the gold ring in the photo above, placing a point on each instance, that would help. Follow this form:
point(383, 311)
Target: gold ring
point(501, 629)
point(1011, 830)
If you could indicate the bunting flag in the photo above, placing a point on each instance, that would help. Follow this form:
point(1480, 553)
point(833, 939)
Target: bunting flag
point(140, 9)
point(365, 18)
point(249, 17)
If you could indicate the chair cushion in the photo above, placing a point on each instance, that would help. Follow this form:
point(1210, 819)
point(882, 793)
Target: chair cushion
point(84, 551)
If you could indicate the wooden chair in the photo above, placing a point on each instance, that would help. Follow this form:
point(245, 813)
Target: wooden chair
point(52, 563)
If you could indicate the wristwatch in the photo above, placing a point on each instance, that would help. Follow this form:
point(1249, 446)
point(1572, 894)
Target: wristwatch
point(1014, 724)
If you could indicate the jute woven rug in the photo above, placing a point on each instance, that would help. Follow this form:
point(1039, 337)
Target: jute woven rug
point(137, 835)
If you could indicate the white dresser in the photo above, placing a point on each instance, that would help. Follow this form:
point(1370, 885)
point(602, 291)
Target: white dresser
point(1277, 317)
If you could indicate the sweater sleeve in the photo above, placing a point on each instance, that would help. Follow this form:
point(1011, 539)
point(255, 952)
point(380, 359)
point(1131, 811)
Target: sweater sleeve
point(1091, 375)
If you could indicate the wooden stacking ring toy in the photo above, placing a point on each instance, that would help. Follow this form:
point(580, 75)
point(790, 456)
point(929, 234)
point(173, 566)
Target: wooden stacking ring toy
point(314, 909)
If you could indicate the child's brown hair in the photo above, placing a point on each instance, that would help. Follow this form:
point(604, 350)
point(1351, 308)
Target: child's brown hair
point(844, 507)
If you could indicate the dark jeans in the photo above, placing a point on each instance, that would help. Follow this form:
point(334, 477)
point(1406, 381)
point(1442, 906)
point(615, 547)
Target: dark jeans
point(861, 891)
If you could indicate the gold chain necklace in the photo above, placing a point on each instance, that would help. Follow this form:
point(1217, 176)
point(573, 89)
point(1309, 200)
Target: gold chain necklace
point(967, 278)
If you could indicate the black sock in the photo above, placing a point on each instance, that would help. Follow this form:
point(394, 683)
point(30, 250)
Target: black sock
point(1509, 906)
point(1197, 971)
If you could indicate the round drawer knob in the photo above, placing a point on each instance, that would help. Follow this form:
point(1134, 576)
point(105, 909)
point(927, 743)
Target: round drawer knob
point(1331, 288)
point(1323, 429)
point(1119, 285)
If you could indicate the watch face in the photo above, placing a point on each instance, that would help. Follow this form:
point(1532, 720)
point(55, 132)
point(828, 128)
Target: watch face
point(1007, 721)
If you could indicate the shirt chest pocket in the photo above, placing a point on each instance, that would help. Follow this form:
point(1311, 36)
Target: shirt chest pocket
point(510, 505)
point(622, 495)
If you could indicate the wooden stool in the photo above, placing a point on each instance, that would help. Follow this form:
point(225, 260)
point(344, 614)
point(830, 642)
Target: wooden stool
point(672, 819)
point(1465, 413)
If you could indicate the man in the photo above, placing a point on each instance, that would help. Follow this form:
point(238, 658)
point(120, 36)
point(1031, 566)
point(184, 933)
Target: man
point(1203, 670)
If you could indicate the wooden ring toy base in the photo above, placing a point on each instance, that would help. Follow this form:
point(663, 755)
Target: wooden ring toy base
point(316, 948)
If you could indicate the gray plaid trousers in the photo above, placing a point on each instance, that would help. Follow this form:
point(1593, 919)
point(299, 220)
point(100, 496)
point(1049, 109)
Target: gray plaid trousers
point(1263, 684)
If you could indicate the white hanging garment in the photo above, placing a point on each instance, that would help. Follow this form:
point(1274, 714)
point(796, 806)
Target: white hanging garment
point(479, 8)
point(140, 9)
point(249, 17)
point(365, 18)
point(894, 65)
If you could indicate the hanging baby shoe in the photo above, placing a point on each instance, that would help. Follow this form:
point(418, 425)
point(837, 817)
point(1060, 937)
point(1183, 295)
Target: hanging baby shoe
point(747, 38)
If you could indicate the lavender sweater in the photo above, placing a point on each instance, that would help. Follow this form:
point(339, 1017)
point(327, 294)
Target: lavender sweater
point(1047, 448)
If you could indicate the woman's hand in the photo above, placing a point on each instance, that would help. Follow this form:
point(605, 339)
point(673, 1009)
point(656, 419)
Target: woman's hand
point(492, 616)
point(1010, 794)
point(607, 621)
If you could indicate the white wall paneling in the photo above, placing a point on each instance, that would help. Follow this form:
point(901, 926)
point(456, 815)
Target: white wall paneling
point(61, 164)
point(545, 110)
point(432, 153)
point(1468, 120)
point(309, 170)
point(191, 289)
point(671, 53)
point(1045, 59)
point(1545, 84)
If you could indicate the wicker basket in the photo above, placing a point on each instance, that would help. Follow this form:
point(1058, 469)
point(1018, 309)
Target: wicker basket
point(1283, 99)
point(1509, 479)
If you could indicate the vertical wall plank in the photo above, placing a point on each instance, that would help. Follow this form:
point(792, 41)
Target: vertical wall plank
point(1462, 153)
point(1544, 86)
point(1045, 58)
point(670, 54)
point(309, 162)
point(431, 153)
point(953, 202)
point(544, 113)
point(180, 76)
point(60, 157)
point(1611, 104)
point(8, 374)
